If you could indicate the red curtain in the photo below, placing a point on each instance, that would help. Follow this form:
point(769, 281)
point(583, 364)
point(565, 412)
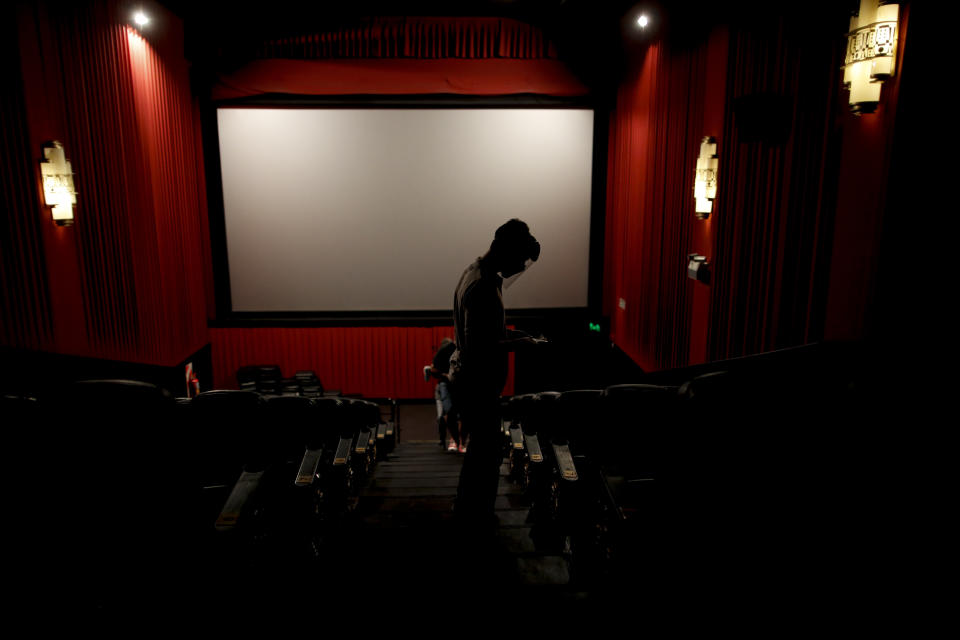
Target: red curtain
point(420, 38)
point(777, 186)
point(655, 133)
point(794, 234)
point(396, 56)
point(399, 77)
point(126, 280)
point(376, 362)
point(26, 319)
point(866, 156)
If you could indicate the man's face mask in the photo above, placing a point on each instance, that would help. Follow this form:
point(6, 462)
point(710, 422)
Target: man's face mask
point(509, 280)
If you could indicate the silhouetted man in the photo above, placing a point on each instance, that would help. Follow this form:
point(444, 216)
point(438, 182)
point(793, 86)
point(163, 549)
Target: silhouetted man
point(479, 366)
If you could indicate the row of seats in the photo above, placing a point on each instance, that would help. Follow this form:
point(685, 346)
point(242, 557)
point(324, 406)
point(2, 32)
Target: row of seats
point(147, 487)
point(269, 380)
point(640, 479)
point(325, 444)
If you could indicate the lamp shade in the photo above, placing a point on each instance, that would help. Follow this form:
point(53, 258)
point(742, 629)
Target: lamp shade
point(871, 53)
point(58, 190)
point(705, 184)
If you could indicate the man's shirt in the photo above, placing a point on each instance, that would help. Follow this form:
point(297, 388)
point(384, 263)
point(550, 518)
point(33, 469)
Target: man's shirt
point(480, 325)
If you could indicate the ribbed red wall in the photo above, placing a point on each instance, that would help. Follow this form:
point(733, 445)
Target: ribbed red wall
point(376, 362)
point(25, 313)
point(126, 281)
point(661, 115)
point(408, 55)
point(419, 38)
point(777, 194)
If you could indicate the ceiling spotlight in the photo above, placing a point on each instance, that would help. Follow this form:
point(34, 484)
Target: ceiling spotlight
point(141, 18)
point(643, 21)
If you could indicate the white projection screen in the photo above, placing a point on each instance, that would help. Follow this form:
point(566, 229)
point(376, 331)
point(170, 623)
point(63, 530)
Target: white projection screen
point(334, 210)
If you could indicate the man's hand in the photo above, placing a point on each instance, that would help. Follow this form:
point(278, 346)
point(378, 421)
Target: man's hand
point(523, 341)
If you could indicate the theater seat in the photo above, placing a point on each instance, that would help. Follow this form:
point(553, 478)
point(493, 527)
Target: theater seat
point(248, 375)
point(363, 417)
point(643, 417)
point(518, 409)
point(290, 387)
point(265, 379)
point(121, 494)
point(310, 385)
point(311, 390)
point(755, 491)
point(225, 423)
point(284, 511)
point(235, 449)
point(586, 509)
point(292, 424)
point(339, 433)
point(539, 424)
point(580, 421)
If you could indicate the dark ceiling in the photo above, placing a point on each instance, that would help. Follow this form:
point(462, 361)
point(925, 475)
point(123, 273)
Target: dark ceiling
point(221, 36)
point(593, 37)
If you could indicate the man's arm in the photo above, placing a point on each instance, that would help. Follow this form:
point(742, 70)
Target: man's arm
point(484, 324)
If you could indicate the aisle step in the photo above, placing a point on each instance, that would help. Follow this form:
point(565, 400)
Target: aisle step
point(405, 510)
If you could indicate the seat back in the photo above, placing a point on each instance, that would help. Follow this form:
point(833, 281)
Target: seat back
point(644, 418)
point(122, 487)
point(542, 416)
point(230, 433)
point(292, 423)
point(580, 420)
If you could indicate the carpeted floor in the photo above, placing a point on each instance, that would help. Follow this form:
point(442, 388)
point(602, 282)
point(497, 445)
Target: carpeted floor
point(418, 422)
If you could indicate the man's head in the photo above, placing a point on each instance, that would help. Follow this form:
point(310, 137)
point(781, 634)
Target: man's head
point(513, 245)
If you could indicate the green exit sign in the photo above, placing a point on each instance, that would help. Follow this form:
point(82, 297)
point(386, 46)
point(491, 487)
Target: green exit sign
point(595, 326)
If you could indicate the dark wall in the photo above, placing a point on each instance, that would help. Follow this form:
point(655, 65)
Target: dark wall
point(44, 375)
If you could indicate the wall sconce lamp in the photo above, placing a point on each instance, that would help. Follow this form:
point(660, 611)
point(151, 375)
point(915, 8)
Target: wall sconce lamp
point(705, 184)
point(871, 53)
point(58, 190)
